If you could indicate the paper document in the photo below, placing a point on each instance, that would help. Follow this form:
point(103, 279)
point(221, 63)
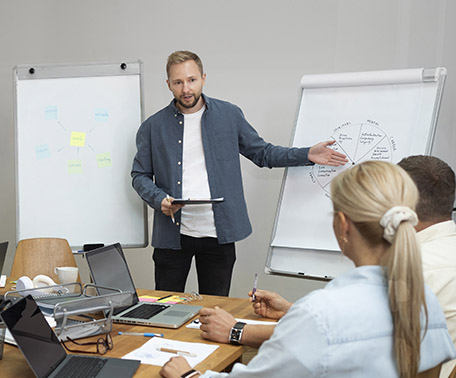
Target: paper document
point(150, 354)
point(196, 323)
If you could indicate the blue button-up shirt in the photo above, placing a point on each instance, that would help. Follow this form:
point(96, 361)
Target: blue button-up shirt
point(344, 331)
point(157, 167)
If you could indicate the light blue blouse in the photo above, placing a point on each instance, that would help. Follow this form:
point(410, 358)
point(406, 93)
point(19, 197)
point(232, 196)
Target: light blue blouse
point(344, 330)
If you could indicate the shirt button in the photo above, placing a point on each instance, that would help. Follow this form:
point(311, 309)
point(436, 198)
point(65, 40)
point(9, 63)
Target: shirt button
point(177, 223)
point(179, 163)
point(178, 183)
point(175, 115)
point(180, 122)
point(179, 141)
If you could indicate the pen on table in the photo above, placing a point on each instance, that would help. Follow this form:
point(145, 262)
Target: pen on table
point(166, 296)
point(254, 287)
point(175, 351)
point(141, 334)
point(172, 215)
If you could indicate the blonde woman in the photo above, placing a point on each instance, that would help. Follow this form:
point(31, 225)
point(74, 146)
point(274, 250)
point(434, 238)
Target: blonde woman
point(377, 320)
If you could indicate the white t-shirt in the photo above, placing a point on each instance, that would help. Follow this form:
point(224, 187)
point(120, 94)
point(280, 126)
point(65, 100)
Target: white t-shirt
point(196, 220)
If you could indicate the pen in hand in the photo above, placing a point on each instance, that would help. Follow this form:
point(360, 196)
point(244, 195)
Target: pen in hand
point(254, 287)
point(172, 215)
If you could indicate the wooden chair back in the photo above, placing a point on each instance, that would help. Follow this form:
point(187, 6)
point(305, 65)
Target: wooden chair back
point(40, 256)
point(431, 373)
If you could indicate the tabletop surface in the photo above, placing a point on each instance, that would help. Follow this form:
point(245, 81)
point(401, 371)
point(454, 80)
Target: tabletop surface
point(14, 364)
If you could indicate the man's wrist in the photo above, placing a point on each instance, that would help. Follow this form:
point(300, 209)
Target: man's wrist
point(236, 333)
point(191, 374)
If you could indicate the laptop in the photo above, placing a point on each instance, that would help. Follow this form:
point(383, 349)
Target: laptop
point(44, 353)
point(109, 268)
point(3, 249)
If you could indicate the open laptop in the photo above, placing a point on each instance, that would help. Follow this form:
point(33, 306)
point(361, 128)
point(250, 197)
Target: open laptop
point(3, 249)
point(44, 353)
point(109, 268)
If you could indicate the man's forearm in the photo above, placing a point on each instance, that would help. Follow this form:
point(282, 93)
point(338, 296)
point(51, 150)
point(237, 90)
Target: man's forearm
point(254, 335)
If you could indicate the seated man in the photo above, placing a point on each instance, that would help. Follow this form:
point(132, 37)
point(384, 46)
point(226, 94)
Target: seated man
point(437, 233)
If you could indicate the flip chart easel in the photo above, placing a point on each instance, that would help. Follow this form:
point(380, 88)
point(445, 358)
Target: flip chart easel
point(75, 143)
point(378, 115)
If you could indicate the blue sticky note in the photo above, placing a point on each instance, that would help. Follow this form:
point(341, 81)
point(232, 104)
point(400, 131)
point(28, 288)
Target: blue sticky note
point(101, 115)
point(51, 113)
point(42, 151)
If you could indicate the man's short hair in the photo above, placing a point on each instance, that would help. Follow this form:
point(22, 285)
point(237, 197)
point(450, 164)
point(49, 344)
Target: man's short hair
point(436, 184)
point(182, 56)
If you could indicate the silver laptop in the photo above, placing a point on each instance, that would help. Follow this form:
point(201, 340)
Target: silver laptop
point(3, 249)
point(44, 353)
point(109, 268)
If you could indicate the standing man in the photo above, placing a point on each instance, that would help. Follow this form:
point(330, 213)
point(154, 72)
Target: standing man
point(190, 149)
point(437, 233)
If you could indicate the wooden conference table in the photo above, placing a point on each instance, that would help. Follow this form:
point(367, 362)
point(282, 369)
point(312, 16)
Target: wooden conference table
point(14, 364)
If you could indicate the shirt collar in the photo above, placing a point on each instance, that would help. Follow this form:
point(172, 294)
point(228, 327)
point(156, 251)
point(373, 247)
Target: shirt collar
point(436, 231)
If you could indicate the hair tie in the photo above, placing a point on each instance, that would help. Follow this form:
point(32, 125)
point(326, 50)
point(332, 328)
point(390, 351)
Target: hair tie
point(394, 217)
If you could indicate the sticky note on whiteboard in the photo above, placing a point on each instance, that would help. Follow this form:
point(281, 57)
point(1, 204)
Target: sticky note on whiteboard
point(104, 160)
point(74, 166)
point(42, 151)
point(77, 139)
point(51, 112)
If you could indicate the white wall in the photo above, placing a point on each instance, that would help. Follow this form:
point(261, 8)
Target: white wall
point(254, 53)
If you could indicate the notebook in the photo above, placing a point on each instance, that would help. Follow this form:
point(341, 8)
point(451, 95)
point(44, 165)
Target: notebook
point(44, 353)
point(3, 249)
point(109, 268)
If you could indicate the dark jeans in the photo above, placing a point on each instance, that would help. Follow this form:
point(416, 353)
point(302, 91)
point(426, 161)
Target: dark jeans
point(214, 265)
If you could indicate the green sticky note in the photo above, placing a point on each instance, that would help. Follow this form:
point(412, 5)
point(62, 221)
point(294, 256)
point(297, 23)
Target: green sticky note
point(104, 160)
point(74, 166)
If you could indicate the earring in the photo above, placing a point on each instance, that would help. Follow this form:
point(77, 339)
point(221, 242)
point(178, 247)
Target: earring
point(345, 241)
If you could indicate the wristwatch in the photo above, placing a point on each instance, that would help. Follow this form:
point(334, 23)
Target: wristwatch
point(236, 333)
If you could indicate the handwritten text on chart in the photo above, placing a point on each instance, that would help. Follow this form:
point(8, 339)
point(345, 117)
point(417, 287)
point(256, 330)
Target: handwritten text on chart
point(77, 139)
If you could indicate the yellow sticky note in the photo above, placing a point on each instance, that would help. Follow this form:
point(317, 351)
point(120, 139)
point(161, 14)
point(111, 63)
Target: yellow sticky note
point(104, 160)
point(77, 139)
point(74, 166)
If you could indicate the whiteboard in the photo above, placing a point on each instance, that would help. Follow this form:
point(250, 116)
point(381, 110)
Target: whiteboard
point(75, 143)
point(377, 115)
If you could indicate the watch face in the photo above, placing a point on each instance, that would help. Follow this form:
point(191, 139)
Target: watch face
point(235, 335)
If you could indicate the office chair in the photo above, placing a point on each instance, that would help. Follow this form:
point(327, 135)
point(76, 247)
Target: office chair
point(40, 256)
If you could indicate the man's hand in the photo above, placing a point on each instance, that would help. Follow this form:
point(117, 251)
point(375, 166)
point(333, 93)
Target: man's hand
point(322, 154)
point(269, 304)
point(168, 208)
point(175, 367)
point(216, 324)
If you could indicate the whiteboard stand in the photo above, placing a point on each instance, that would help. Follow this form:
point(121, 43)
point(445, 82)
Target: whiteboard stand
point(75, 143)
point(377, 115)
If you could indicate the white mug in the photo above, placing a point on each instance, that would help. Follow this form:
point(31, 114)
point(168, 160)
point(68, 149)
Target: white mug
point(67, 274)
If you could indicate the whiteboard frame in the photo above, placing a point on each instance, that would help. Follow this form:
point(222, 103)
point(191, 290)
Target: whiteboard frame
point(336, 80)
point(76, 70)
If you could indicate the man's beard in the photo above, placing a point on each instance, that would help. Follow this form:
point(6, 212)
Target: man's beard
point(189, 106)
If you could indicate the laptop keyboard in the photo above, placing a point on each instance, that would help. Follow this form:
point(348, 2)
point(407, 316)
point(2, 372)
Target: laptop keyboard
point(81, 367)
point(145, 311)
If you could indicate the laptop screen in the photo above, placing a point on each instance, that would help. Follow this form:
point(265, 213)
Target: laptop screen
point(3, 249)
point(34, 336)
point(109, 268)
